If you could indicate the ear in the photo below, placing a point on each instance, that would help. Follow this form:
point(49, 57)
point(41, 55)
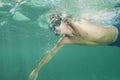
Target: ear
point(70, 16)
point(65, 19)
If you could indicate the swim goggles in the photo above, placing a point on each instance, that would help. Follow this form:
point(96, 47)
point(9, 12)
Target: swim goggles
point(55, 21)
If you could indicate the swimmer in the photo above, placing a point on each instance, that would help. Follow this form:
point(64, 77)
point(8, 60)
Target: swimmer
point(18, 3)
point(82, 32)
point(21, 1)
point(2, 4)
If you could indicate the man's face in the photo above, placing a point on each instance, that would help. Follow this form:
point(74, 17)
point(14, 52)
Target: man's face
point(61, 29)
point(64, 29)
point(59, 26)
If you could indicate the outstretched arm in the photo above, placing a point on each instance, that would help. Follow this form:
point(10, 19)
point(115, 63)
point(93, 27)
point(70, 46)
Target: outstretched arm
point(33, 75)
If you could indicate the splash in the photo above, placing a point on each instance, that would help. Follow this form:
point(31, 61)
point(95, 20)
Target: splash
point(96, 10)
point(103, 17)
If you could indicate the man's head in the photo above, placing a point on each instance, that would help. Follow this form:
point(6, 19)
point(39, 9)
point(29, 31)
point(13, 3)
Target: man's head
point(58, 25)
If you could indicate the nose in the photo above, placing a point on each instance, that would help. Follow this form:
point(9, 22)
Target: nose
point(57, 29)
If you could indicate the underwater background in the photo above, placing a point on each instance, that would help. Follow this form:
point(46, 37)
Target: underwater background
point(25, 39)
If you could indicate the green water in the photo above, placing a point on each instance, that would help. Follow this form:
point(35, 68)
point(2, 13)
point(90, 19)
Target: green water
point(25, 39)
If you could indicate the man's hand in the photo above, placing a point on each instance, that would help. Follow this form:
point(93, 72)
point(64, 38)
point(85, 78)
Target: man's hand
point(33, 75)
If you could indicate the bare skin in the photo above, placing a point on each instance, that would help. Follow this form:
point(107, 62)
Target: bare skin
point(18, 1)
point(80, 32)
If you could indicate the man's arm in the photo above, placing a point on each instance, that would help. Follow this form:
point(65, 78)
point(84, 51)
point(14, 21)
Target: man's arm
point(92, 33)
point(33, 75)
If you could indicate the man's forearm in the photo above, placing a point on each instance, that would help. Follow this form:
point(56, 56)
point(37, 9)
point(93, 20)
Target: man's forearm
point(49, 56)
